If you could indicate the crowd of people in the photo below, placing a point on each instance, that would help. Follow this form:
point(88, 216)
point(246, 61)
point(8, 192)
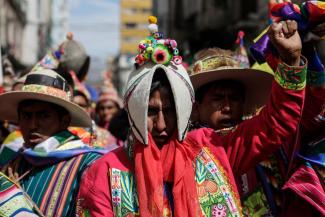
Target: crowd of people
point(219, 138)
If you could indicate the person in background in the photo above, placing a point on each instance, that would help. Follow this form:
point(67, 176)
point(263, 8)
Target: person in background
point(223, 96)
point(44, 163)
point(107, 106)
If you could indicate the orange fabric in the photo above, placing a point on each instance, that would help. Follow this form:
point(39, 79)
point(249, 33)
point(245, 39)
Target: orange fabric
point(173, 163)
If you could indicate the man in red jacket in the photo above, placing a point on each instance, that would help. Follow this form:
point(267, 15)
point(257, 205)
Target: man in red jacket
point(166, 171)
point(226, 92)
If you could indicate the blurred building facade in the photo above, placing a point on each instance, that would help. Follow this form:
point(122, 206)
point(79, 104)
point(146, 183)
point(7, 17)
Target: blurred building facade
point(25, 27)
point(12, 24)
point(60, 21)
point(198, 24)
point(38, 26)
point(133, 28)
point(134, 21)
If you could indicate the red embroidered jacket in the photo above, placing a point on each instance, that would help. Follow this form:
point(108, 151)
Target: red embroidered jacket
point(251, 142)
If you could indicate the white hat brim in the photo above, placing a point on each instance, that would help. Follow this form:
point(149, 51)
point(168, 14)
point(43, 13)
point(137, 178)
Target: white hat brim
point(9, 107)
point(257, 83)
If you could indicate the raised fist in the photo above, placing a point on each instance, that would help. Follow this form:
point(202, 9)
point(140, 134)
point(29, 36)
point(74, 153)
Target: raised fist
point(285, 38)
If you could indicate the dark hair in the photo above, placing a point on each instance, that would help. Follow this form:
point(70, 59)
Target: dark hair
point(119, 125)
point(201, 91)
point(59, 109)
point(66, 75)
point(79, 93)
point(159, 80)
point(84, 69)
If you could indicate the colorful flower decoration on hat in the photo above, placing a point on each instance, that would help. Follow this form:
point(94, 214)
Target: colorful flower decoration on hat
point(157, 49)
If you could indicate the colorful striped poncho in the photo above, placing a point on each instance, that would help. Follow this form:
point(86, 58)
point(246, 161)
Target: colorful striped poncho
point(52, 171)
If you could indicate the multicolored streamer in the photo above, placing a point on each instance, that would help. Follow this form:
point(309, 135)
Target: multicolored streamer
point(65, 144)
point(308, 16)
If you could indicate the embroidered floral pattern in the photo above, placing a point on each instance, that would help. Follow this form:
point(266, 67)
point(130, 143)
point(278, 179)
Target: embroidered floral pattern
point(124, 197)
point(219, 211)
point(256, 204)
point(80, 211)
point(214, 63)
point(34, 88)
point(214, 190)
point(289, 77)
point(116, 190)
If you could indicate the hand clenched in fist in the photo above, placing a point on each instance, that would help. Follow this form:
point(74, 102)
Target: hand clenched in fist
point(285, 38)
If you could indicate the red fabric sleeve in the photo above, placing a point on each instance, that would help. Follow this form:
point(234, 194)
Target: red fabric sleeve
point(314, 104)
point(256, 138)
point(94, 196)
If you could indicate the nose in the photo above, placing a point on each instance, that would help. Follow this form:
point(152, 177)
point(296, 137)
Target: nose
point(226, 105)
point(33, 124)
point(160, 122)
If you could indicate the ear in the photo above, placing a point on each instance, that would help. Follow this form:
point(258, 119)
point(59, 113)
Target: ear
point(195, 116)
point(65, 122)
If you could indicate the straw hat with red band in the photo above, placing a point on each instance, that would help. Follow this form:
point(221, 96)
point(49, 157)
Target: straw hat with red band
point(43, 85)
point(218, 64)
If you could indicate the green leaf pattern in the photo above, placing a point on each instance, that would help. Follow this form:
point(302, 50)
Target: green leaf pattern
point(217, 203)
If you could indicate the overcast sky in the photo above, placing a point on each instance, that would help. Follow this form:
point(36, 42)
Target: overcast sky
point(96, 24)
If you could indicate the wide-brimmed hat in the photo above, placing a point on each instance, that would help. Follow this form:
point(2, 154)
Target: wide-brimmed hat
point(219, 64)
point(43, 85)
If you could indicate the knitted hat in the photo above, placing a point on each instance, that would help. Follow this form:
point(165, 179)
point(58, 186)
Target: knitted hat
point(110, 93)
point(73, 56)
point(157, 53)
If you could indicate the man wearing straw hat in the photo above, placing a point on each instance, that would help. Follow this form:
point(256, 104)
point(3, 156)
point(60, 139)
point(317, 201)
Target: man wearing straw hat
point(169, 172)
point(43, 166)
point(226, 93)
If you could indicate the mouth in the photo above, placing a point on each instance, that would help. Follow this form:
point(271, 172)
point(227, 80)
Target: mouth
point(162, 139)
point(225, 123)
point(35, 138)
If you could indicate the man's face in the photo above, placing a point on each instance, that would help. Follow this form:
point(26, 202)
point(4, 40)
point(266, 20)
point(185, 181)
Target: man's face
point(106, 110)
point(161, 116)
point(221, 106)
point(82, 102)
point(38, 121)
